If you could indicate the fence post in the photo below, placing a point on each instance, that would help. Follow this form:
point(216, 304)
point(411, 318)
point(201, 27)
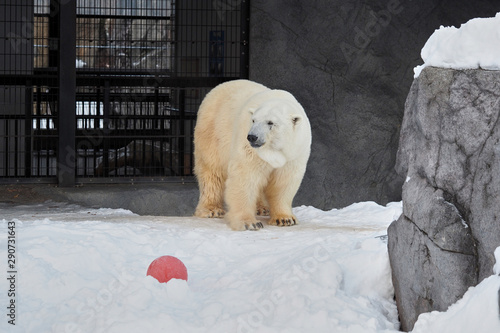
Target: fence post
point(65, 12)
point(28, 125)
point(182, 131)
point(244, 39)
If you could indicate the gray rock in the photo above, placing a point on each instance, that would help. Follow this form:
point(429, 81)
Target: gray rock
point(443, 243)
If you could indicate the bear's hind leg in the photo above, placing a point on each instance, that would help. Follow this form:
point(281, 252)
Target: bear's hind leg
point(211, 202)
point(262, 205)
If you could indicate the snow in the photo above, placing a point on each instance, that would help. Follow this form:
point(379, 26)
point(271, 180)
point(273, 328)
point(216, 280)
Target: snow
point(476, 44)
point(478, 302)
point(496, 267)
point(84, 270)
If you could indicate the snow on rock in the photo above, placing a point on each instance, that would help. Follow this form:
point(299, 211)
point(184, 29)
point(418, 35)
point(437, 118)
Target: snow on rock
point(477, 311)
point(496, 267)
point(476, 44)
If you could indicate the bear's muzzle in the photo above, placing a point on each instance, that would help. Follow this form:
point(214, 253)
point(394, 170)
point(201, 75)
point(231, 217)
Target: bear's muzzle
point(254, 141)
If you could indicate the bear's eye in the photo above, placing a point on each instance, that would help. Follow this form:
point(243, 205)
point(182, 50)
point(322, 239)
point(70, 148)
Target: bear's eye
point(270, 123)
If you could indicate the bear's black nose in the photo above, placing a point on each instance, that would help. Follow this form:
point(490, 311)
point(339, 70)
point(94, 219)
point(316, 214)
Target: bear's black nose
point(254, 141)
point(251, 138)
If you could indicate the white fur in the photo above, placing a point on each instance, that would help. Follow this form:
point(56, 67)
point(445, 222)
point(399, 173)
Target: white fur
point(250, 179)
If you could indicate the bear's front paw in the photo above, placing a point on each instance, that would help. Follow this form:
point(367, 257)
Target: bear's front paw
point(283, 221)
point(242, 225)
point(210, 212)
point(241, 222)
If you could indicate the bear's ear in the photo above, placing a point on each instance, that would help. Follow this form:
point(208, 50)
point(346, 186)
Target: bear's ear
point(296, 119)
point(252, 110)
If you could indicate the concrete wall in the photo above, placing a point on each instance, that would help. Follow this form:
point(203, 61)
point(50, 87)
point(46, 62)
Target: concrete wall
point(350, 64)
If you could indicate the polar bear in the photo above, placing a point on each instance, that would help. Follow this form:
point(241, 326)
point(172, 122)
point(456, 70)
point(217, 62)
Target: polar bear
point(251, 147)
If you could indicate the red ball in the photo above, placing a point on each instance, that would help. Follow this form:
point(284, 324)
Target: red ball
point(166, 268)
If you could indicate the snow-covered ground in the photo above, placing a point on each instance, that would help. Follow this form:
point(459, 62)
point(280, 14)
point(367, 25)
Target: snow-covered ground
point(475, 44)
point(84, 270)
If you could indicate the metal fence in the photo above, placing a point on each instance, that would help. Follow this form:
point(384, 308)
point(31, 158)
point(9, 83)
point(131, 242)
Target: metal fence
point(107, 90)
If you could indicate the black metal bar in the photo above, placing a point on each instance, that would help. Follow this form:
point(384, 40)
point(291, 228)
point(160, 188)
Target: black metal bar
point(124, 17)
point(121, 80)
point(134, 180)
point(28, 124)
point(16, 148)
point(156, 106)
point(24, 180)
point(98, 107)
point(244, 39)
point(106, 141)
point(38, 106)
point(6, 147)
point(54, 33)
point(66, 157)
point(182, 112)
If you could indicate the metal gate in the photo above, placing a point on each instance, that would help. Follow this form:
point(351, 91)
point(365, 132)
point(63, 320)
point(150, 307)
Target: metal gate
point(106, 91)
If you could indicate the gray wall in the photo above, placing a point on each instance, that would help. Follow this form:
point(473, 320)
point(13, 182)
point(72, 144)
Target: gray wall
point(350, 64)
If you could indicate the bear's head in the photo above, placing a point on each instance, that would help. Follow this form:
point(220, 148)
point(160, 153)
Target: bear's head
point(277, 129)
